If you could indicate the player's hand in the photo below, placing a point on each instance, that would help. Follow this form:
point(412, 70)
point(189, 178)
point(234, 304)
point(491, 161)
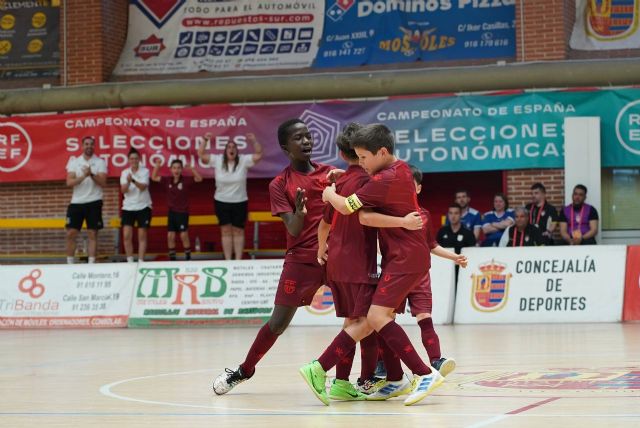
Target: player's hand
point(334, 174)
point(413, 221)
point(322, 255)
point(207, 136)
point(86, 171)
point(129, 178)
point(461, 260)
point(301, 200)
point(327, 192)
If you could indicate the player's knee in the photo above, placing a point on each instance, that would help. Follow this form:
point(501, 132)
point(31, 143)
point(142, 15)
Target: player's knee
point(278, 327)
point(423, 316)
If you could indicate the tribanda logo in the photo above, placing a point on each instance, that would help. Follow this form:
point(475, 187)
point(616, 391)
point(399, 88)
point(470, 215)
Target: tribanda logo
point(158, 11)
point(167, 283)
point(15, 147)
point(490, 288)
point(30, 285)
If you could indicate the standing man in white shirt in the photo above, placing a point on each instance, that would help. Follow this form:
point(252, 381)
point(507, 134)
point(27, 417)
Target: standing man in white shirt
point(87, 174)
point(231, 200)
point(136, 206)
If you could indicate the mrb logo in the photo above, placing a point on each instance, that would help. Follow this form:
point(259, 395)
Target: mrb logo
point(167, 283)
point(490, 288)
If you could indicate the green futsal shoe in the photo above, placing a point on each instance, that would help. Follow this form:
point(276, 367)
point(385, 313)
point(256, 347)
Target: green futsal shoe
point(343, 390)
point(316, 378)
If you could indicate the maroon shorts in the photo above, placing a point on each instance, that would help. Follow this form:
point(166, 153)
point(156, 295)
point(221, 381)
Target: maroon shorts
point(351, 300)
point(420, 298)
point(393, 288)
point(299, 283)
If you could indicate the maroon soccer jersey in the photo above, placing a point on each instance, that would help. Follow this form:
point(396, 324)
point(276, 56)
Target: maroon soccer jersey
point(282, 193)
point(392, 192)
point(177, 193)
point(352, 246)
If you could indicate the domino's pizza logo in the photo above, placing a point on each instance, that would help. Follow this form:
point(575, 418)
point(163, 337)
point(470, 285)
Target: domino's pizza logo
point(158, 11)
point(336, 11)
point(324, 131)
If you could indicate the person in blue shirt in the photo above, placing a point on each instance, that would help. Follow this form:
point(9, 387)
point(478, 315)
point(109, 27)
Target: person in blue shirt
point(470, 217)
point(496, 221)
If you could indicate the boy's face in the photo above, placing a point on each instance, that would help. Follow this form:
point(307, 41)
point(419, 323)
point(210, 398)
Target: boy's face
point(370, 162)
point(299, 143)
point(176, 170)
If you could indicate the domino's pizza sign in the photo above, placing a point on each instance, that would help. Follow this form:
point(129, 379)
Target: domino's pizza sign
point(339, 9)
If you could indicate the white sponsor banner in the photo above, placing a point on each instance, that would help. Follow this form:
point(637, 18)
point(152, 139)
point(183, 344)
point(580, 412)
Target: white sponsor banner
point(66, 296)
point(610, 24)
point(185, 36)
point(541, 284)
point(443, 294)
point(203, 293)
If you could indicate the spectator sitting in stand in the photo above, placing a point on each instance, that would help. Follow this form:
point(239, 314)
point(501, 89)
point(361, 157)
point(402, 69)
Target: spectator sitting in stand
point(496, 221)
point(579, 220)
point(522, 233)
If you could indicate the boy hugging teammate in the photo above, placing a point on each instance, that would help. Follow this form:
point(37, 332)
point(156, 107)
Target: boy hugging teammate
point(390, 191)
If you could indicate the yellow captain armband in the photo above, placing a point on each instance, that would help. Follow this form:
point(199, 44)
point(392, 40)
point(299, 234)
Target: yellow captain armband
point(353, 203)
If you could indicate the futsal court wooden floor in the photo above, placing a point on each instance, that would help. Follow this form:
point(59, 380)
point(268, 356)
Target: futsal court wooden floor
point(574, 375)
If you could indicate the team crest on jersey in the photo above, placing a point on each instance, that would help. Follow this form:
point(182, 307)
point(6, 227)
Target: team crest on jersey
point(490, 288)
point(289, 286)
point(158, 11)
point(339, 8)
point(612, 19)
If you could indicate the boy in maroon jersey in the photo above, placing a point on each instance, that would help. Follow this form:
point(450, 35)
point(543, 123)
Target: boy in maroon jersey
point(177, 189)
point(421, 304)
point(296, 197)
point(390, 191)
point(351, 264)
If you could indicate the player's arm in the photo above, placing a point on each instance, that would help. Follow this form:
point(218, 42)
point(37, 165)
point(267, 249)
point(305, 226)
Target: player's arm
point(504, 223)
point(411, 221)
point(72, 180)
point(330, 196)
point(458, 259)
point(196, 175)
point(142, 185)
point(125, 181)
point(593, 229)
point(323, 235)
point(257, 148)
point(204, 157)
point(100, 178)
point(294, 221)
point(155, 173)
point(489, 228)
point(564, 233)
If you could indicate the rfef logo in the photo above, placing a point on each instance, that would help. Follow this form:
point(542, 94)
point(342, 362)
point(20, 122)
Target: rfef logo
point(30, 285)
point(628, 127)
point(158, 11)
point(15, 147)
point(490, 288)
point(149, 47)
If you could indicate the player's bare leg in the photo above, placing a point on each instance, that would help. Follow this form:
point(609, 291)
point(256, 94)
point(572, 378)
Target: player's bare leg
point(226, 234)
point(186, 245)
point(71, 237)
point(92, 235)
point(142, 243)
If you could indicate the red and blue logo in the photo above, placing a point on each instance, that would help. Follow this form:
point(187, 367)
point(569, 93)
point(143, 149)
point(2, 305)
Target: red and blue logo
point(339, 8)
point(158, 11)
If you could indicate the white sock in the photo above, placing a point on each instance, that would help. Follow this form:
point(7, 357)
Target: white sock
point(130, 259)
point(92, 259)
point(70, 260)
